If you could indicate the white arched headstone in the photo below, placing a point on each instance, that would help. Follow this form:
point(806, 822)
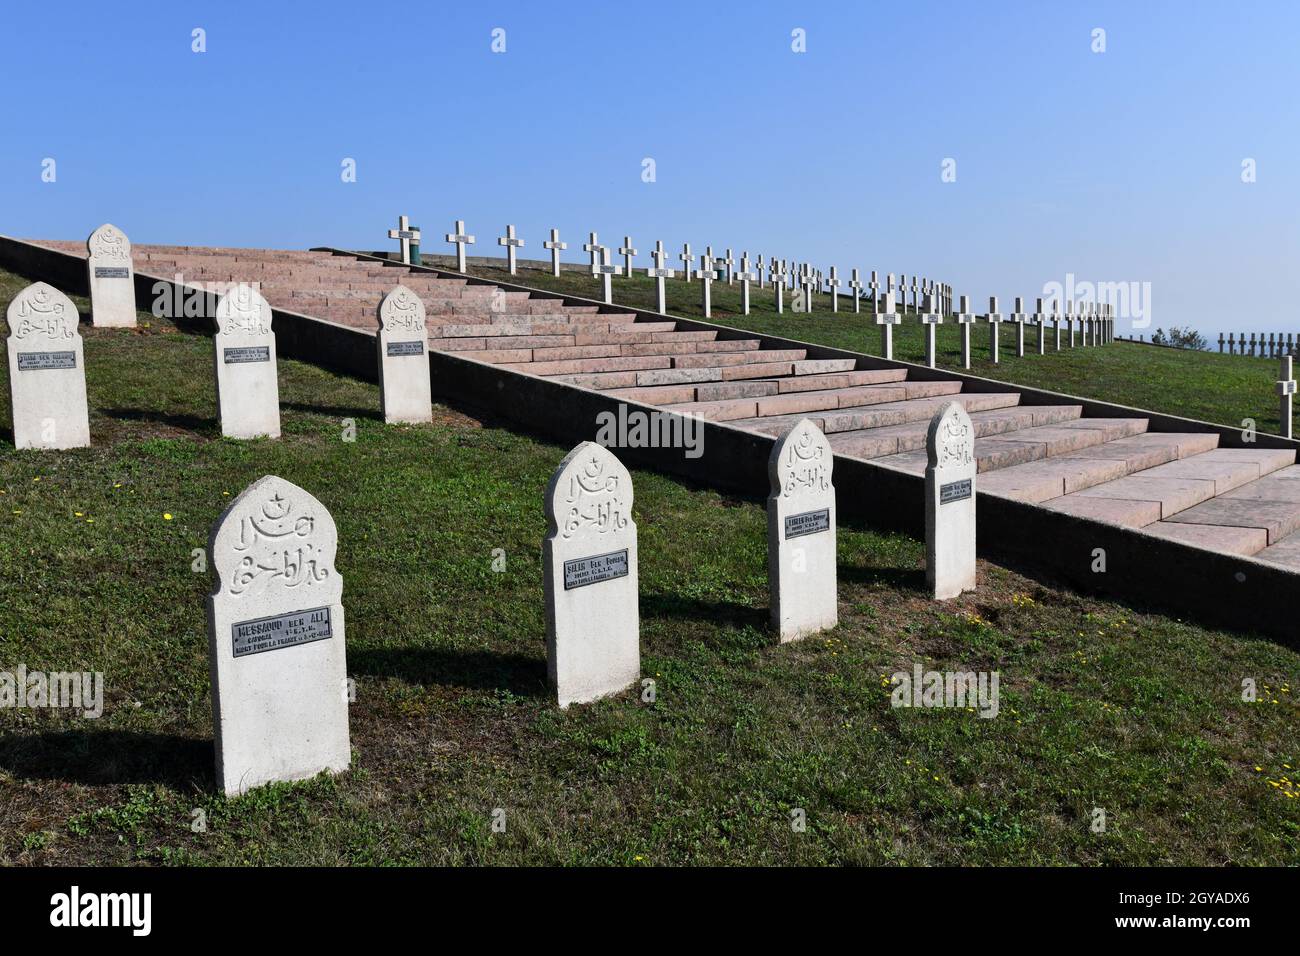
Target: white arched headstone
point(593, 644)
point(950, 503)
point(112, 278)
point(403, 342)
point(276, 639)
point(47, 375)
point(248, 389)
point(801, 561)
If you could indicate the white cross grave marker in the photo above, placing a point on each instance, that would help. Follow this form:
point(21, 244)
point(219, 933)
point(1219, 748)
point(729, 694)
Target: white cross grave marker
point(965, 318)
point(606, 273)
point(555, 246)
point(593, 247)
point(856, 285)
point(932, 319)
point(745, 277)
point(406, 235)
point(995, 320)
point(706, 276)
point(1018, 316)
point(659, 274)
point(887, 317)
point(460, 239)
point(627, 252)
point(1286, 390)
point(511, 244)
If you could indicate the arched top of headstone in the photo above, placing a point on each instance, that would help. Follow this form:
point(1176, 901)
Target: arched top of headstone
point(43, 314)
point(589, 496)
point(276, 540)
point(401, 311)
point(243, 311)
point(801, 461)
point(109, 242)
point(950, 440)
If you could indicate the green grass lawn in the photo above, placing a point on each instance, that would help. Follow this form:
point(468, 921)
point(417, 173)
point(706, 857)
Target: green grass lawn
point(1100, 707)
point(1224, 389)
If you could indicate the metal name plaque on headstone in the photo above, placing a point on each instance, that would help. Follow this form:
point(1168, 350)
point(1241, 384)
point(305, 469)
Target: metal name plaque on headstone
point(112, 272)
point(405, 234)
point(33, 361)
point(251, 353)
point(810, 522)
point(283, 630)
point(405, 348)
point(954, 491)
point(580, 572)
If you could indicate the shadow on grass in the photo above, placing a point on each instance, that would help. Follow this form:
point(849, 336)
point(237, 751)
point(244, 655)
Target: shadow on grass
point(333, 411)
point(905, 579)
point(110, 757)
point(196, 423)
point(724, 613)
point(481, 670)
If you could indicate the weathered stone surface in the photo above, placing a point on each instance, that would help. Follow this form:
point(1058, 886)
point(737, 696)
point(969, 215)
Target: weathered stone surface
point(1172, 494)
point(47, 374)
point(1120, 511)
point(1212, 537)
point(248, 387)
point(801, 557)
point(112, 278)
point(277, 646)
point(405, 390)
point(950, 503)
point(593, 644)
point(1278, 518)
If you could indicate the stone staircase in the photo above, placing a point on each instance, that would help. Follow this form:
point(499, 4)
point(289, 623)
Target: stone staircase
point(1180, 486)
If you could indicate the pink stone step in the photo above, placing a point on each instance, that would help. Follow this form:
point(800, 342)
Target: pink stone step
point(1225, 540)
point(843, 379)
point(879, 416)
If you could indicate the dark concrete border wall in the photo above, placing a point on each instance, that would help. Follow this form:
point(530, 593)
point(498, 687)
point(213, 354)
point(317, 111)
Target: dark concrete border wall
point(1146, 572)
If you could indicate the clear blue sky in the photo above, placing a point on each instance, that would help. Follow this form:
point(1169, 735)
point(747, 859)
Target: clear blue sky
point(1115, 166)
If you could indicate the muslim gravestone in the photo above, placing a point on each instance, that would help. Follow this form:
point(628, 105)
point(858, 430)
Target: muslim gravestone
point(950, 503)
point(112, 278)
point(405, 394)
point(276, 639)
point(47, 375)
point(593, 646)
point(801, 557)
point(248, 390)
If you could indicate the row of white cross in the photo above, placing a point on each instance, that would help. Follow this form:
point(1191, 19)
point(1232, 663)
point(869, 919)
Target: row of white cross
point(783, 274)
point(1096, 325)
point(1096, 319)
